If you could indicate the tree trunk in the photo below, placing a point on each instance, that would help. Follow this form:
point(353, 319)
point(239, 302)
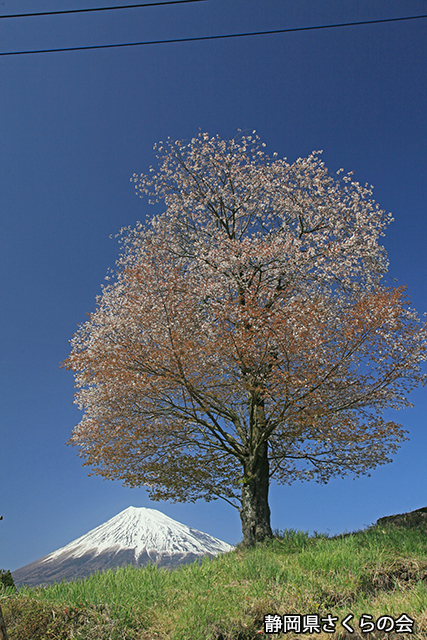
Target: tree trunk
point(255, 512)
point(3, 632)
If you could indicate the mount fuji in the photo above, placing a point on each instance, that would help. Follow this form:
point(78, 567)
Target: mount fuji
point(137, 536)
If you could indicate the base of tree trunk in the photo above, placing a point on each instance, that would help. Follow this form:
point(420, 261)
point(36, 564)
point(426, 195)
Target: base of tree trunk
point(255, 511)
point(3, 632)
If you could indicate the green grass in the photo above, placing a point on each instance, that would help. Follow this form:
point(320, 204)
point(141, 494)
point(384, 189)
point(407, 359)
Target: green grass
point(380, 571)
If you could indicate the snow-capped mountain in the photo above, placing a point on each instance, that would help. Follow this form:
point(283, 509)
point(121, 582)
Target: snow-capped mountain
point(135, 536)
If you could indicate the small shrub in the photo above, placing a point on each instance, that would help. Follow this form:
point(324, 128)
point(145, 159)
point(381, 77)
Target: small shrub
point(6, 578)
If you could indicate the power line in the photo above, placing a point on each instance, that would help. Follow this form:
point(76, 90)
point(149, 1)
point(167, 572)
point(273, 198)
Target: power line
point(125, 6)
point(229, 35)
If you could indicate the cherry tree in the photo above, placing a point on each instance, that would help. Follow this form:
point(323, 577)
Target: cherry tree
point(247, 334)
point(3, 631)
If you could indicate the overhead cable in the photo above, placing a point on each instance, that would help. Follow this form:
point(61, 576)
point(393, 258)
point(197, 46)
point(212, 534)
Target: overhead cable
point(124, 6)
point(228, 35)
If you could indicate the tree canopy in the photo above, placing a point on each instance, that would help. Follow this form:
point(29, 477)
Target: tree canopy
point(246, 334)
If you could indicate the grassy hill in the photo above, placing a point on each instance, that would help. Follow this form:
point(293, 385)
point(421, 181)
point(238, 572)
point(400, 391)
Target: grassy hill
point(380, 571)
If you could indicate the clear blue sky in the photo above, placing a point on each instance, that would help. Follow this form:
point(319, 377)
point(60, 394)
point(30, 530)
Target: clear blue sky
point(76, 125)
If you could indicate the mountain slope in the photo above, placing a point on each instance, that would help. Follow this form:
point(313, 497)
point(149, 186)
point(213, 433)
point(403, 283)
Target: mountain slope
point(135, 536)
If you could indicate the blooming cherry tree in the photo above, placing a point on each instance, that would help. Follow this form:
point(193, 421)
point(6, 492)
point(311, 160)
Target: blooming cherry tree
point(246, 334)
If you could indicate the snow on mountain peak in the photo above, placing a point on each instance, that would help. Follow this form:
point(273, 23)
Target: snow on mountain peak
point(143, 530)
